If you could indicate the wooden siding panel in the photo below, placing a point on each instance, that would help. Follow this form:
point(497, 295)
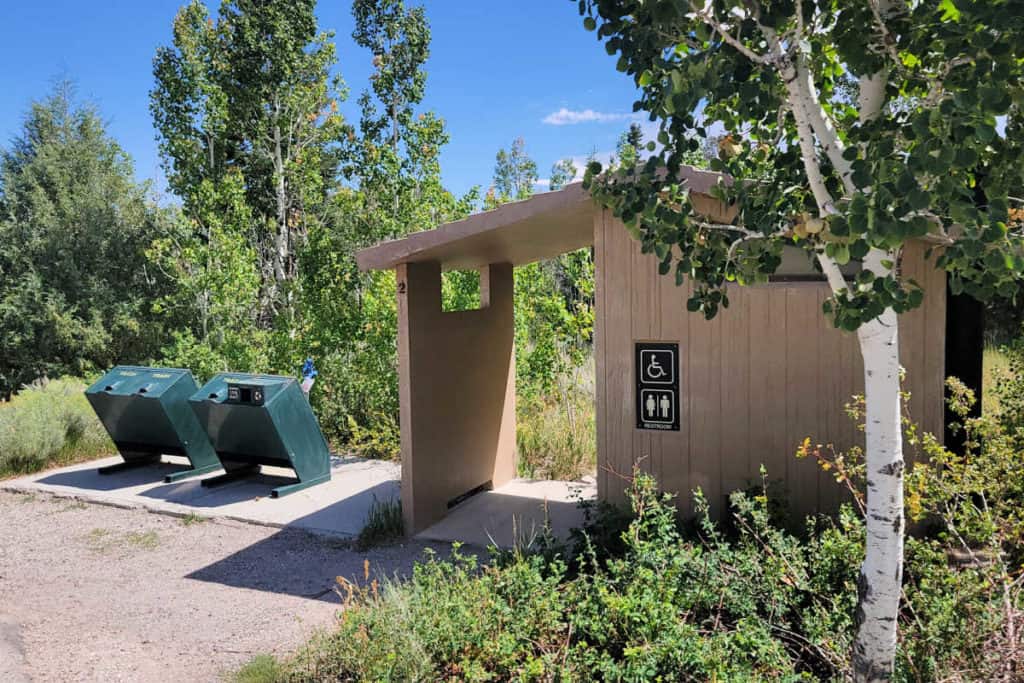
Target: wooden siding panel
point(704, 358)
point(675, 446)
point(643, 283)
point(912, 340)
point(934, 341)
point(735, 418)
point(619, 357)
point(767, 372)
point(837, 385)
point(600, 347)
point(803, 321)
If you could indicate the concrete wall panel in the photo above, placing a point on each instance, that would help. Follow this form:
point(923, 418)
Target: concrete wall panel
point(456, 390)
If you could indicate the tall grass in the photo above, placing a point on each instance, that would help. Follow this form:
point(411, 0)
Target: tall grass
point(556, 433)
point(48, 423)
point(383, 524)
point(996, 366)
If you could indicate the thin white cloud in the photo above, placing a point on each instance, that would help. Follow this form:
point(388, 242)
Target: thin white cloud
point(570, 117)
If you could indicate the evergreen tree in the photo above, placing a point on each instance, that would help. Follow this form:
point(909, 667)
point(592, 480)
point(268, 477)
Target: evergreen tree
point(75, 289)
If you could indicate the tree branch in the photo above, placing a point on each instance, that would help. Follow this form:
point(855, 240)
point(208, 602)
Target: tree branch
point(822, 125)
point(722, 227)
point(707, 14)
point(888, 42)
point(805, 134)
point(871, 97)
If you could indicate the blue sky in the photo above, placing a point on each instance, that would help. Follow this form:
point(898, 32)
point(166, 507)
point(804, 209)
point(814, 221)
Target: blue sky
point(497, 70)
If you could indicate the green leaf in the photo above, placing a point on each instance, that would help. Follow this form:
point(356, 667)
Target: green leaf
point(838, 226)
point(909, 59)
point(949, 11)
point(842, 253)
point(919, 199)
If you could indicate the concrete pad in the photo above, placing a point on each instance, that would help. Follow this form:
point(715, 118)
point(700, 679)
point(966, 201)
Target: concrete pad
point(515, 513)
point(336, 507)
point(512, 513)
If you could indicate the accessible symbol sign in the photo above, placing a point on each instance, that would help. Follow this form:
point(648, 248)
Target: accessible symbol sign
point(657, 386)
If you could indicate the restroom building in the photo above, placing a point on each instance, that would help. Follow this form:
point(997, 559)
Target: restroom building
point(696, 403)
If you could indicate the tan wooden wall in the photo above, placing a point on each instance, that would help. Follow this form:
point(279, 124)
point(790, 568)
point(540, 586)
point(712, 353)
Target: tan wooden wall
point(765, 373)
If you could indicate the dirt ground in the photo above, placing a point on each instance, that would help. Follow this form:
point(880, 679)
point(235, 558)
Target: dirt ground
point(96, 593)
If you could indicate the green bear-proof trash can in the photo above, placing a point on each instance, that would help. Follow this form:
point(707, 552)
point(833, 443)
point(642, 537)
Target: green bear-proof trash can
point(255, 420)
point(146, 413)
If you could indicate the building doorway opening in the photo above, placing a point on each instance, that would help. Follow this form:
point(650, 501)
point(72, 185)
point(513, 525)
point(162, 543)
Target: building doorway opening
point(556, 432)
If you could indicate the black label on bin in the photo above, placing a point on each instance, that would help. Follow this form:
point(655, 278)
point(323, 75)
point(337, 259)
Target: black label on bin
point(657, 386)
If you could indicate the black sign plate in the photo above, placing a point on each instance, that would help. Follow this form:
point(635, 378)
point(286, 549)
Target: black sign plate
point(657, 386)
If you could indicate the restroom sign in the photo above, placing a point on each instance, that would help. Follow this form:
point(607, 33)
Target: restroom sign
point(657, 386)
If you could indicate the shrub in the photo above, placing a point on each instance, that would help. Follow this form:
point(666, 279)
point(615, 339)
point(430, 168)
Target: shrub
point(380, 438)
point(762, 605)
point(49, 423)
point(743, 600)
point(260, 669)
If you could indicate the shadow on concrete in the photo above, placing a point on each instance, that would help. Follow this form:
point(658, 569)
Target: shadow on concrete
point(90, 479)
point(192, 492)
point(296, 561)
point(348, 514)
point(506, 520)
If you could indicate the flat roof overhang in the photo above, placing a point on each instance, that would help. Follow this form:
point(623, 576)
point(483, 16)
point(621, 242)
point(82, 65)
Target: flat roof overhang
point(533, 229)
point(541, 227)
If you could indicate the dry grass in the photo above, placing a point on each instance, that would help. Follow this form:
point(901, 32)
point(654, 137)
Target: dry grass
point(556, 435)
point(105, 540)
point(996, 365)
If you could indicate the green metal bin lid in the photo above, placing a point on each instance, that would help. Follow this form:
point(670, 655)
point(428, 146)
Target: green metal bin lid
point(127, 380)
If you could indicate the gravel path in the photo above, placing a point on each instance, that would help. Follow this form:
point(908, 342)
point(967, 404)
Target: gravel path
point(96, 593)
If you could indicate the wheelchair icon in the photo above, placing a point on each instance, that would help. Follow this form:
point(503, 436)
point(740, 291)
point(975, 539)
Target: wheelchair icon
point(657, 366)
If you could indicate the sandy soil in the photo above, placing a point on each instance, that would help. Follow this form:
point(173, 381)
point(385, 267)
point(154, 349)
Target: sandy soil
point(96, 593)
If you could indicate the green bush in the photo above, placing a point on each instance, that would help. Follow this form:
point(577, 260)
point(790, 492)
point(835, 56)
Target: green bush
point(761, 605)
point(644, 597)
point(49, 423)
point(260, 669)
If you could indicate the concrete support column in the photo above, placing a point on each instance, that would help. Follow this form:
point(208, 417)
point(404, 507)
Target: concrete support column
point(457, 390)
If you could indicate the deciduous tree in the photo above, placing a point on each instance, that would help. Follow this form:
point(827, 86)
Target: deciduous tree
point(563, 172)
point(853, 127)
point(253, 91)
point(515, 174)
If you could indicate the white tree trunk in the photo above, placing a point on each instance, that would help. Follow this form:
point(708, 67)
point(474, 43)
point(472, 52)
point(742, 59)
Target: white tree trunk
point(281, 246)
point(881, 575)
